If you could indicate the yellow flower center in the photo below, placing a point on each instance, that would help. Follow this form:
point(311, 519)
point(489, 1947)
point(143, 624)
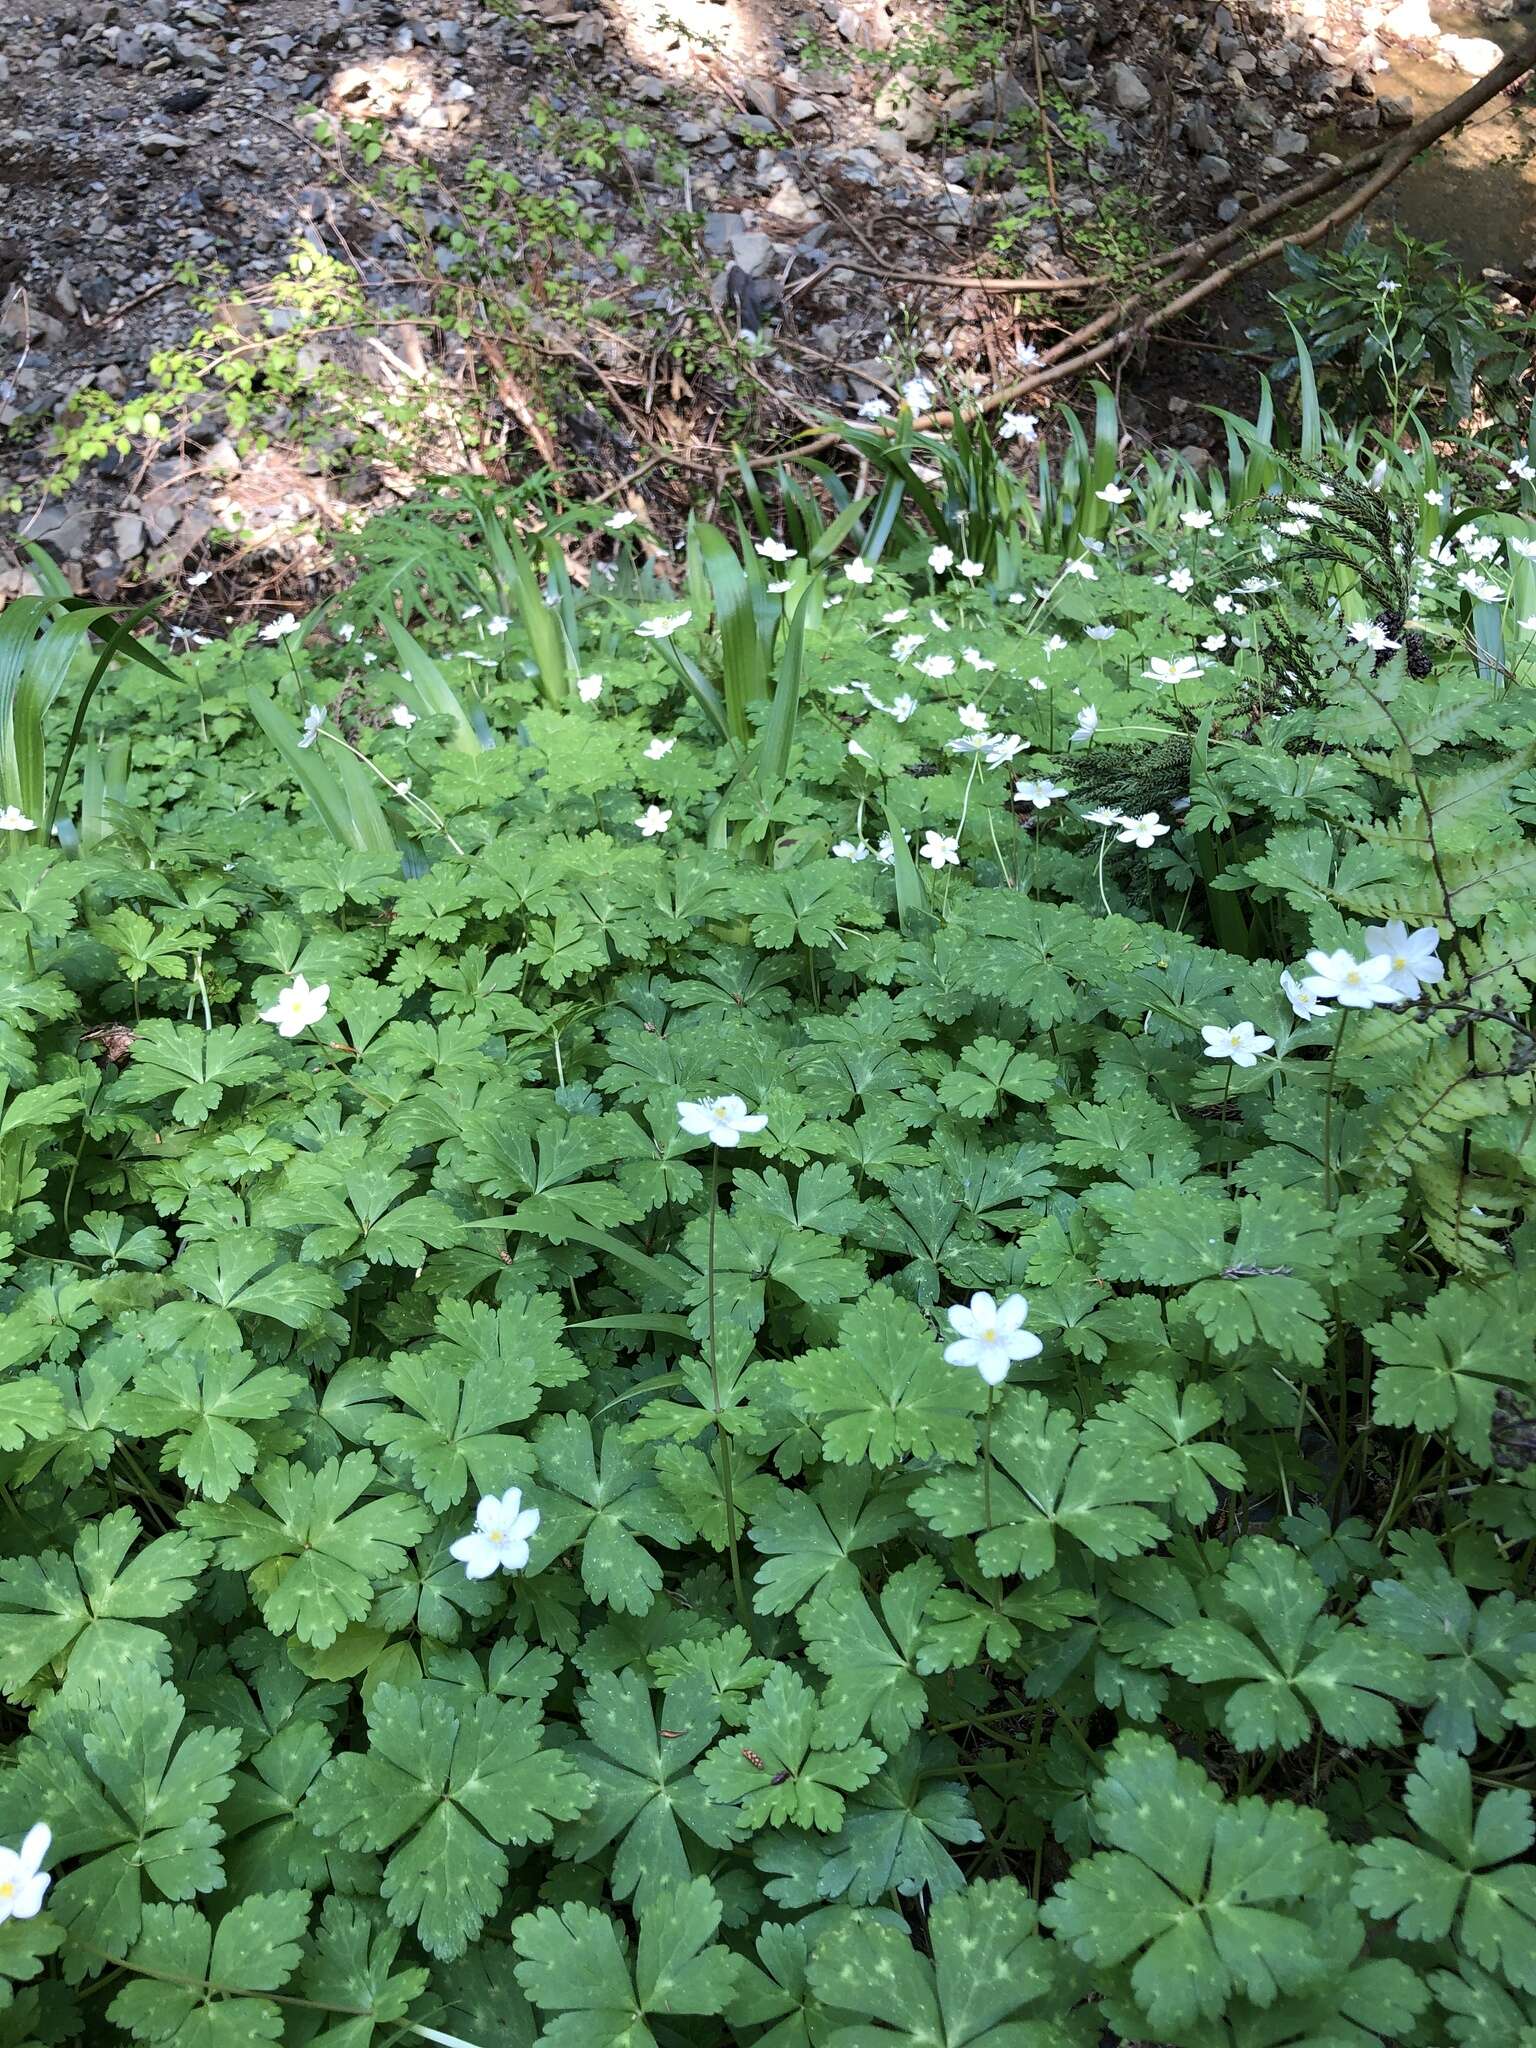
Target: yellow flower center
point(989, 1336)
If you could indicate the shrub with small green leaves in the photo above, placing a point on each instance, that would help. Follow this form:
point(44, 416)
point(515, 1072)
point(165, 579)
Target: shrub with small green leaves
point(825, 1339)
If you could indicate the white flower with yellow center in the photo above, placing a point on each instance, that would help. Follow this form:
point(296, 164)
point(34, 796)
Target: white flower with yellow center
point(990, 1336)
point(297, 1007)
point(499, 1539)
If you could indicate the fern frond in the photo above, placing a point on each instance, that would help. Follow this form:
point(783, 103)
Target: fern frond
point(1444, 1094)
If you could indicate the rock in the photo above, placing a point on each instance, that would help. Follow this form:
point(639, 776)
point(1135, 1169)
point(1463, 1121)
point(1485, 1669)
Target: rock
point(801, 110)
point(127, 536)
point(1288, 142)
point(63, 530)
point(1215, 170)
point(1413, 20)
point(198, 58)
point(1128, 89)
point(1396, 110)
point(1228, 211)
point(762, 96)
point(752, 251)
point(902, 105)
point(644, 87)
point(1475, 55)
point(450, 36)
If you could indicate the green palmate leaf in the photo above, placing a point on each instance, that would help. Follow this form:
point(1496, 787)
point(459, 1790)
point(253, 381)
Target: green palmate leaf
point(573, 1964)
point(244, 1277)
point(885, 1392)
point(872, 1661)
point(314, 1556)
point(1472, 1650)
point(200, 1405)
point(993, 1981)
point(489, 1369)
point(1288, 1661)
point(640, 1761)
point(1442, 1370)
point(24, 1946)
point(606, 1505)
point(345, 1205)
point(1052, 1481)
point(787, 1766)
point(1199, 1896)
point(131, 1798)
point(350, 1967)
point(810, 1540)
point(1469, 1869)
point(1481, 2013)
point(727, 1666)
point(196, 1067)
point(446, 1790)
point(1156, 1419)
point(200, 1985)
point(898, 1825)
point(84, 1613)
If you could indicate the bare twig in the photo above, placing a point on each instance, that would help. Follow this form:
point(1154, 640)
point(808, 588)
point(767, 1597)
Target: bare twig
point(1122, 326)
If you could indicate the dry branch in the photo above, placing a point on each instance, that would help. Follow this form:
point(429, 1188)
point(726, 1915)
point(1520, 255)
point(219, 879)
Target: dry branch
point(1121, 326)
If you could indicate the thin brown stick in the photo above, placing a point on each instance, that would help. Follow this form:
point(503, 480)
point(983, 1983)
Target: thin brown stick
point(1122, 326)
point(963, 283)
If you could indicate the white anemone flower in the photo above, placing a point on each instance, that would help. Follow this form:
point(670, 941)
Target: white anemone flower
point(990, 1336)
point(1041, 793)
point(664, 627)
point(499, 1540)
point(1339, 977)
point(1239, 1043)
point(297, 1007)
point(1184, 668)
point(720, 1118)
point(1304, 1006)
point(23, 1880)
point(1414, 956)
point(1144, 831)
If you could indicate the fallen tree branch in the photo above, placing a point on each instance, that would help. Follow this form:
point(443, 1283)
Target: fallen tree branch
point(1122, 326)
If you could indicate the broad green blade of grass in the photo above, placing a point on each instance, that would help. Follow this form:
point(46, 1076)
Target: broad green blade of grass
point(348, 807)
point(912, 912)
point(743, 654)
point(428, 690)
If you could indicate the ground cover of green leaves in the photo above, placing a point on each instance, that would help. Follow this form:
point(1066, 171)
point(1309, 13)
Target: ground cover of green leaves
point(1178, 1690)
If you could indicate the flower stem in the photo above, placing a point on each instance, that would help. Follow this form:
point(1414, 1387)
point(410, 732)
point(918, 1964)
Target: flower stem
point(986, 1460)
point(722, 1434)
point(1333, 1062)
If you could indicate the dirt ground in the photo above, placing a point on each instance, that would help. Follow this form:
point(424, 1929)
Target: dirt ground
point(591, 199)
